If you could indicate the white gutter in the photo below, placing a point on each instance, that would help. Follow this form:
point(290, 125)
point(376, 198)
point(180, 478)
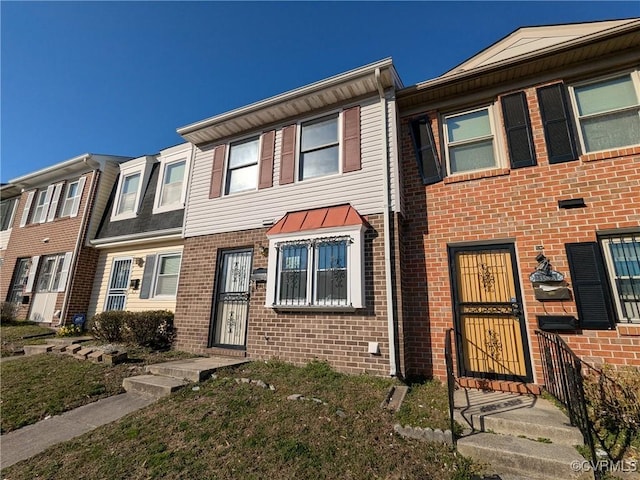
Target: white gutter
point(137, 238)
point(393, 369)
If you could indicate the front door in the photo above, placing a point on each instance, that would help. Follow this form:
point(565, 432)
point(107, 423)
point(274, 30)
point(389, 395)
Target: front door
point(231, 303)
point(46, 292)
point(489, 321)
point(118, 284)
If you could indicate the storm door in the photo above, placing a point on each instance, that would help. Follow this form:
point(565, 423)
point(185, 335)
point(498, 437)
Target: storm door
point(489, 321)
point(46, 291)
point(118, 284)
point(231, 301)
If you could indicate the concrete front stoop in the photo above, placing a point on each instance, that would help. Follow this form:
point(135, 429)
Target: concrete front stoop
point(519, 436)
point(166, 378)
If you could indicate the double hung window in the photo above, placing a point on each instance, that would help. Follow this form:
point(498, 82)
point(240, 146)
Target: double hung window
point(167, 271)
point(128, 194)
point(41, 203)
point(319, 148)
point(608, 112)
point(172, 182)
point(470, 141)
point(70, 197)
point(242, 168)
point(7, 210)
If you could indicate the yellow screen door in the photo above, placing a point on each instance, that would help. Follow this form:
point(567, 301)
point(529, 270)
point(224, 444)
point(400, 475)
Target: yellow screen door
point(490, 325)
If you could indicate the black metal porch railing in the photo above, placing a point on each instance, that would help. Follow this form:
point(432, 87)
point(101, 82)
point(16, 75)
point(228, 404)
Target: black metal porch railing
point(448, 357)
point(564, 380)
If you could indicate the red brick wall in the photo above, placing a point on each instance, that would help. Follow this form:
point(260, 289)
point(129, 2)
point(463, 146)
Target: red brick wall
point(27, 241)
point(515, 206)
point(298, 337)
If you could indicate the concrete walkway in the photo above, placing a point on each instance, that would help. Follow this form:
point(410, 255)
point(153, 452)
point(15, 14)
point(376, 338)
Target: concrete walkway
point(33, 439)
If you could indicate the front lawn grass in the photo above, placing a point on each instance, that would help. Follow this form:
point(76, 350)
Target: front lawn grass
point(426, 405)
point(48, 384)
point(225, 429)
point(12, 333)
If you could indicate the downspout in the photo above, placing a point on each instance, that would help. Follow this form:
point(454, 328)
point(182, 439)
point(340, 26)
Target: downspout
point(84, 225)
point(387, 231)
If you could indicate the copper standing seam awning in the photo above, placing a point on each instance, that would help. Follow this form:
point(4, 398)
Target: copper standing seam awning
point(338, 216)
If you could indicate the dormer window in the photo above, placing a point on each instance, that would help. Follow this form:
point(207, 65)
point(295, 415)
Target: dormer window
point(134, 177)
point(172, 182)
point(128, 194)
point(171, 189)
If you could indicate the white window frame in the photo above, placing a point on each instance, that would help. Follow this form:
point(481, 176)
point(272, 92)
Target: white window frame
point(606, 241)
point(69, 200)
point(36, 214)
point(12, 212)
point(140, 166)
point(169, 157)
point(298, 148)
point(355, 268)
point(156, 273)
point(495, 137)
point(635, 79)
point(228, 158)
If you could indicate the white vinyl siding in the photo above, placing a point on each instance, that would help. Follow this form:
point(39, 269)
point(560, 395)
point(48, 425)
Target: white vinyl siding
point(363, 189)
point(134, 302)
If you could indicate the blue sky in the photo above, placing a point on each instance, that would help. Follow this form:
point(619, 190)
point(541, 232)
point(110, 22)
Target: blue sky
point(120, 77)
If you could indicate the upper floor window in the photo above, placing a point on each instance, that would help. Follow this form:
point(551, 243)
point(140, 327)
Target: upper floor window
point(72, 195)
point(242, 166)
point(608, 112)
point(319, 148)
point(7, 210)
point(40, 206)
point(128, 194)
point(172, 181)
point(470, 141)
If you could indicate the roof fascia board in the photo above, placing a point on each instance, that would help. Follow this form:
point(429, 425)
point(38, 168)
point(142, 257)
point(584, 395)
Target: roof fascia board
point(294, 94)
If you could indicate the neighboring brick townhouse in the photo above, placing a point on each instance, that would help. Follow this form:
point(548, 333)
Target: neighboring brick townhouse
point(521, 170)
point(290, 248)
point(140, 237)
point(48, 268)
point(9, 198)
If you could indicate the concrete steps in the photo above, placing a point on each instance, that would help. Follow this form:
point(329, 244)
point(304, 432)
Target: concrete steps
point(153, 385)
point(522, 457)
point(519, 435)
point(165, 378)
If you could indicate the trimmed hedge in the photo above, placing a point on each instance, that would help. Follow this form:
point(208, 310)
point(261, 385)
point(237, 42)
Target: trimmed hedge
point(150, 328)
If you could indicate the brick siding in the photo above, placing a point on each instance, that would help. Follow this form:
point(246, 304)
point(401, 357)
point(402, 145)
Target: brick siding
point(338, 338)
point(514, 206)
point(61, 236)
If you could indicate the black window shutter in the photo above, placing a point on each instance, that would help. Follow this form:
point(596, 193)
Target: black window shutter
point(147, 276)
point(557, 127)
point(518, 129)
point(590, 286)
point(426, 155)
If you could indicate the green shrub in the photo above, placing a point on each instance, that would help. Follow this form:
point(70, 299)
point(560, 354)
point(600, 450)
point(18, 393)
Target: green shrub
point(108, 326)
point(8, 312)
point(153, 329)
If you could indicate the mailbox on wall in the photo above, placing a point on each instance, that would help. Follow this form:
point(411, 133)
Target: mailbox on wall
point(548, 284)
